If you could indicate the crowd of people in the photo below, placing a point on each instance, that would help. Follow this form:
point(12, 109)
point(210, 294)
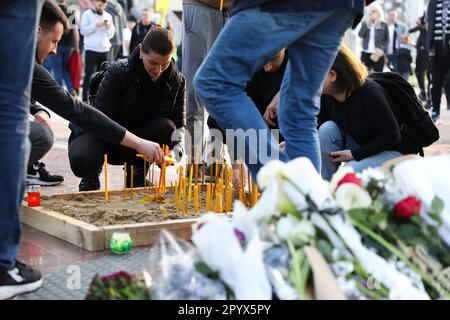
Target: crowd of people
point(247, 66)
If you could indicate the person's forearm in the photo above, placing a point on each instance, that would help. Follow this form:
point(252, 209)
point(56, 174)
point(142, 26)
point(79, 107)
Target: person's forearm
point(131, 141)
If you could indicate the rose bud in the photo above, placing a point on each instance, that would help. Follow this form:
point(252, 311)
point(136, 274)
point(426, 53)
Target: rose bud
point(407, 207)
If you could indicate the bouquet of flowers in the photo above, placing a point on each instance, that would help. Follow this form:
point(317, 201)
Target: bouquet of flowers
point(118, 286)
point(397, 225)
point(297, 210)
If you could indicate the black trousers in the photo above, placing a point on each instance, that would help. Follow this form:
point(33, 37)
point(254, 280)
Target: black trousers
point(86, 152)
point(422, 69)
point(376, 66)
point(440, 65)
point(92, 63)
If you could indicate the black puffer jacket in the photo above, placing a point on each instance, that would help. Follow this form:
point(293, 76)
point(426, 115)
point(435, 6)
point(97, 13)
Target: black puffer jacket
point(127, 95)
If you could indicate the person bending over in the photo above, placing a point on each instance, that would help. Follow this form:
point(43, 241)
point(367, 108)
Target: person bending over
point(358, 123)
point(144, 93)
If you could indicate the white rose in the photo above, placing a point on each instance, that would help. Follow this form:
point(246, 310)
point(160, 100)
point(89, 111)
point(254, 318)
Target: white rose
point(270, 169)
point(350, 196)
point(342, 171)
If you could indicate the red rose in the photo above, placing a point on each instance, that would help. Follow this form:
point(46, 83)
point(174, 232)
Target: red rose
point(407, 207)
point(349, 178)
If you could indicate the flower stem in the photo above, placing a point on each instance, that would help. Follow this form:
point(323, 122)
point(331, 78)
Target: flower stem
point(426, 278)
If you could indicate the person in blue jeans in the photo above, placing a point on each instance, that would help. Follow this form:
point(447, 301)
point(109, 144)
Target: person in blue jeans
point(258, 29)
point(359, 125)
point(18, 19)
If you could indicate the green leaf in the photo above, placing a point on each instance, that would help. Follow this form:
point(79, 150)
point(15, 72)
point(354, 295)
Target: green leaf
point(437, 205)
point(325, 248)
point(377, 218)
point(435, 216)
point(206, 271)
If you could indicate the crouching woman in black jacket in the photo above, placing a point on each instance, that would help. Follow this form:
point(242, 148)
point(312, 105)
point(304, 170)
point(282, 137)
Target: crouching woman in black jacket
point(359, 126)
point(144, 93)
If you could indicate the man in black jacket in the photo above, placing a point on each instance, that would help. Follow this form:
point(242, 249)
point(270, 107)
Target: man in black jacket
point(141, 28)
point(422, 56)
point(146, 94)
point(438, 45)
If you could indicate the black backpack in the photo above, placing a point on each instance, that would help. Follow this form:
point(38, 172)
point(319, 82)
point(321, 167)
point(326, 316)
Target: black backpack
point(418, 123)
point(94, 82)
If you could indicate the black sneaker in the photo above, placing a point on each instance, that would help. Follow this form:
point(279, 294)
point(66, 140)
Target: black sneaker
point(38, 174)
point(89, 183)
point(18, 280)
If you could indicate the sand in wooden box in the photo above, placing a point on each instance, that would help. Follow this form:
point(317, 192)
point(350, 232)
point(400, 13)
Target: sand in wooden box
point(88, 219)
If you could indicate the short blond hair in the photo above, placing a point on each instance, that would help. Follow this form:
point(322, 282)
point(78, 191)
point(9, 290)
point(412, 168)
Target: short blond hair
point(377, 7)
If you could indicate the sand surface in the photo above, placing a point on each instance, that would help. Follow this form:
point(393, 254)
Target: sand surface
point(94, 210)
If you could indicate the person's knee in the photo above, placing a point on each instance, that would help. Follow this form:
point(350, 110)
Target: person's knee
point(82, 166)
point(48, 138)
point(166, 127)
point(82, 162)
point(328, 131)
point(41, 138)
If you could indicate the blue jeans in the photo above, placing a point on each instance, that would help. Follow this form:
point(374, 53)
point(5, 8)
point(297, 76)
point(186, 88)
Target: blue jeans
point(331, 139)
point(57, 65)
point(249, 40)
point(19, 20)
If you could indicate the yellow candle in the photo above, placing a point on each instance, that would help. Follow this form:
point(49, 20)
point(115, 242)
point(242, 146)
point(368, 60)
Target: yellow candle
point(229, 202)
point(196, 205)
point(106, 177)
point(176, 195)
point(221, 5)
point(218, 205)
point(183, 192)
point(241, 196)
point(255, 193)
point(196, 165)
point(191, 173)
point(250, 189)
point(185, 206)
point(224, 173)
point(241, 184)
point(124, 181)
point(145, 175)
point(131, 181)
point(203, 175)
point(208, 197)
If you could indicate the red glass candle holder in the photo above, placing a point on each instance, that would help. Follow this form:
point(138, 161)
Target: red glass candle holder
point(34, 196)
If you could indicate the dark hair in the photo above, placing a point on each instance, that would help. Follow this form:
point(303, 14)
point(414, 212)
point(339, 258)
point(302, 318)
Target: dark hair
point(159, 40)
point(51, 15)
point(351, 72)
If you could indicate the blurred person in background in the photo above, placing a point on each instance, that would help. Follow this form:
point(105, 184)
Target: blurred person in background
point(98, 29)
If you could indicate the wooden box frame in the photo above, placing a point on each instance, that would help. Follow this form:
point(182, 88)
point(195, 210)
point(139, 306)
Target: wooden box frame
point(93, 238)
